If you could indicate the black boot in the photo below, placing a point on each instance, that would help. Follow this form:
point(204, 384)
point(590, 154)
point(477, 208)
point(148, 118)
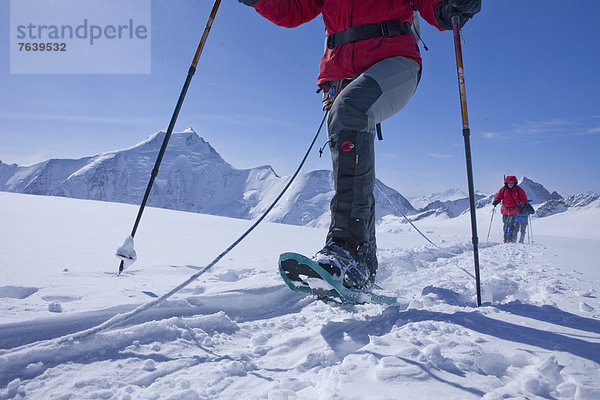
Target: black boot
point(344, 262)
point(372, 264)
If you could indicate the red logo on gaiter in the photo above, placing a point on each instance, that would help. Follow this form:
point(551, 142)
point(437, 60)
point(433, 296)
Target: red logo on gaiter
point(347, 146)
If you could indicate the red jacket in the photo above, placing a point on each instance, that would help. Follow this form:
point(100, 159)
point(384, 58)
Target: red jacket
point(352, 58)
point(511, 199)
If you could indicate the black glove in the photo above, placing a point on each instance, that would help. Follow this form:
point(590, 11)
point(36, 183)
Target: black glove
point(465, 9)
point(495, 203)
point(248, 2)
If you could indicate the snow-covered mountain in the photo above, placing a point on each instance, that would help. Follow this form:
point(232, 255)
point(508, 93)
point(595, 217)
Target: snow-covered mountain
point(545, 202)
point(192, 177)
point(536, 192)
point(555, 206)
point(453, 208)
point(448, 195)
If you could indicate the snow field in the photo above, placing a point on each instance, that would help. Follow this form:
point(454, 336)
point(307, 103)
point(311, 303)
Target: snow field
point(238, 332)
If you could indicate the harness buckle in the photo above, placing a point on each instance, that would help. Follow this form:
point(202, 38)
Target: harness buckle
point(330, 41)
point(385, 30)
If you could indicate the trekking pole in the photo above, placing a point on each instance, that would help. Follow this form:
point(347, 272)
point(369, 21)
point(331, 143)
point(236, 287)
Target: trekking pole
point(531, 228)
point(126, 252)
point(490, 228)
point(466, 135)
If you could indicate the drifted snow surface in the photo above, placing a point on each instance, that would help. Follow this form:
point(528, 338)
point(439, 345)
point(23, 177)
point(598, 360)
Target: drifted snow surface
point(239, 333)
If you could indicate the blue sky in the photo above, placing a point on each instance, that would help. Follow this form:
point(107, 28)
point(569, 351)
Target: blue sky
point(532, 84)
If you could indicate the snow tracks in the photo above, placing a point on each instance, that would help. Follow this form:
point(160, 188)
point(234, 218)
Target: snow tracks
point(243, 334)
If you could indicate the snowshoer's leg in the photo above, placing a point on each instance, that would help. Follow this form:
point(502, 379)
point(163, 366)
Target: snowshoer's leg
point(515, 231)
point(523, 231)
point(374, 96)
point(509, 227)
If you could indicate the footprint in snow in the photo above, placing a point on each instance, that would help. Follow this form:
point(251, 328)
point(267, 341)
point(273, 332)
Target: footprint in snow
point(397, 369)
point(232, 275)
point(62, 299)
point(17, 292)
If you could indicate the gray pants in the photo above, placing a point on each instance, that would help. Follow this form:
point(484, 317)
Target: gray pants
point(375, 95)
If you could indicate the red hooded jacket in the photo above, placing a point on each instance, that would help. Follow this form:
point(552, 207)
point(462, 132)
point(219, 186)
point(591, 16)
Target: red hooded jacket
point(511, 199)
point(353, 58)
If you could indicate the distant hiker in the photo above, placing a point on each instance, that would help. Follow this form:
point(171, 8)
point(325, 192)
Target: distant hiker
point(521, 220)
point(369, 72)
point(513, 199)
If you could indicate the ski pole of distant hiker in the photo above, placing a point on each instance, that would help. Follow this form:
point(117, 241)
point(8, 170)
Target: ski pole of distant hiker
point(530, 232)
point(126, 252)
point(491, 220)
point(466, 135)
